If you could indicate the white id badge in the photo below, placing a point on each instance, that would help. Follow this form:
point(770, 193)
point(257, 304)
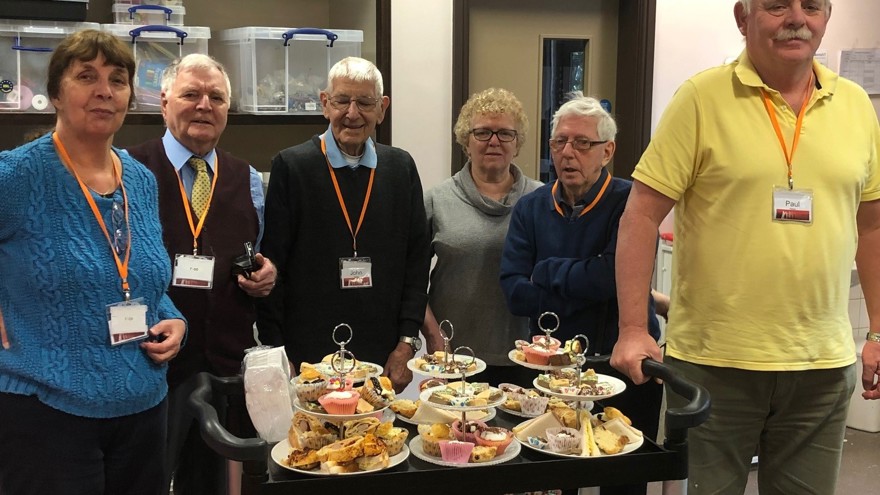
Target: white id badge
point(193, 272)
point(792, 205)
point(127, 321)
point(355, 273)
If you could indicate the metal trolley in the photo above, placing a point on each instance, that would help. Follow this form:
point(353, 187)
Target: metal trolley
point(529, 471)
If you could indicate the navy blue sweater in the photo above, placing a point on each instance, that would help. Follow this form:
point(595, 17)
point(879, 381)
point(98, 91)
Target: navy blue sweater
point(563, 265)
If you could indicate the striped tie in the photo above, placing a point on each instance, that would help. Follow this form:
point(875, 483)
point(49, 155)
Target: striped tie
point(201, 185)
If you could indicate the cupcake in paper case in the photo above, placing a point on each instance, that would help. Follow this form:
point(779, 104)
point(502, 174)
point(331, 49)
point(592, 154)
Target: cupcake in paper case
point(538, 355)
point(394, 438)
point(546, 342)
point(340, 402)
point(563, 440)
point(494, 436)
point(432, 435)
point(513, 392)
point(377, 393)
point(335, 383)
point(455, 451)
point(466, 434)
point(309, 391)
point(532, 405)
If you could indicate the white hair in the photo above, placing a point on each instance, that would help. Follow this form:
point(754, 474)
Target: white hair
point(193, 61)
point(747, 5)
point(579, 105)
point(355, 69)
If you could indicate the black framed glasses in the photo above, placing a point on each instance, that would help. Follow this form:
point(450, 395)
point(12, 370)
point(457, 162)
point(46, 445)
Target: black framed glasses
point(343, 102)
point(504, 135)
point(579, 144)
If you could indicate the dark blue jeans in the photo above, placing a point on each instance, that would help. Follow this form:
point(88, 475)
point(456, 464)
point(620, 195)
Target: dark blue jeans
point(44, 450)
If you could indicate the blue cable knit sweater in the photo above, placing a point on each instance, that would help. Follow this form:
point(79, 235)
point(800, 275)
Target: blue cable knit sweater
point(57, 275)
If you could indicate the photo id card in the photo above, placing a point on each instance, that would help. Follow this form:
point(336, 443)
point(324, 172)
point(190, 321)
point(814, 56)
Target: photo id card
point(193, 272)
point(127, 321)
point(792, 205)
point(355, 273)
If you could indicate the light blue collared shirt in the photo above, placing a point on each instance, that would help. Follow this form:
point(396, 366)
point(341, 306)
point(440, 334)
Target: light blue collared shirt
point(337, 159)
point(178, 155)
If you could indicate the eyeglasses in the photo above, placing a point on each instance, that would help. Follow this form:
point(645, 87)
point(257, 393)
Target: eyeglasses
point(120, 228)
point(579, 144)
point(504, 135)
point(364, 103)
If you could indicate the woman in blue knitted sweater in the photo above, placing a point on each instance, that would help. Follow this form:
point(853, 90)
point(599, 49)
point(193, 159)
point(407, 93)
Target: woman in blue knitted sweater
point(83, 275)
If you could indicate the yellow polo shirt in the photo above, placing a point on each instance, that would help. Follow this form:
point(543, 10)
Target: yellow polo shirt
point(749, 292)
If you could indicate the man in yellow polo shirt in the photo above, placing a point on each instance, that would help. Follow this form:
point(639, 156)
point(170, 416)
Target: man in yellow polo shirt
point(772, 165)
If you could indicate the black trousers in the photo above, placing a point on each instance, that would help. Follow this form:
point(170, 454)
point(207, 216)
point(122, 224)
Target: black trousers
point(44, 450)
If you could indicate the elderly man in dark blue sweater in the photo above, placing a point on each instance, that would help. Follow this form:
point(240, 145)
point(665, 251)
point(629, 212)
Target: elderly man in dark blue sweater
point(559, 251)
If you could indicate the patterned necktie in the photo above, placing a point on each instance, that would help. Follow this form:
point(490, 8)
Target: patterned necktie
point(201, 189)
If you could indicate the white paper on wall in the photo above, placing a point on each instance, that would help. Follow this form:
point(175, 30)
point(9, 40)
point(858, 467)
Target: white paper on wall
point(862, 66)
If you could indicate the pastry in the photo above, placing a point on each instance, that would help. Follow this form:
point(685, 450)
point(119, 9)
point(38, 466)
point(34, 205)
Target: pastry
point(482, 453)
point(373, 445)
point(607, 441)
point(345, 450)
point(362, 427)
point(533, 406)
point(373, 462)
point(363, 407)
point(303, 459)
point(566, 415)
point(610, 413)
point(376, 393)
point(334, 467)
point(405, 407)
point(564, 440)
point(431, 436)
point(394, 437)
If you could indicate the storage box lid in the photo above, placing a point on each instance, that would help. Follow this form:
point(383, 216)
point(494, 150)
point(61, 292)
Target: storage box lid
point(125, 8)
point(158, 32)
point(40, 28)
point(269, 33)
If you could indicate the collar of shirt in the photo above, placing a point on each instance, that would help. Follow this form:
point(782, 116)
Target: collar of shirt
point(178, 154)
point(334, 156)
point(826, 80)
point(572, 211)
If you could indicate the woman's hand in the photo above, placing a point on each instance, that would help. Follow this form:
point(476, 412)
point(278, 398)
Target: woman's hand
point(164, 340)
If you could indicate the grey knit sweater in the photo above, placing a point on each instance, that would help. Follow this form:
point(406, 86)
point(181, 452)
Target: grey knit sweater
point(467, 236)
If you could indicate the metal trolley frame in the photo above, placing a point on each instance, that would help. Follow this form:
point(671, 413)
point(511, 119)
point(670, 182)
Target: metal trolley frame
point(529, 471)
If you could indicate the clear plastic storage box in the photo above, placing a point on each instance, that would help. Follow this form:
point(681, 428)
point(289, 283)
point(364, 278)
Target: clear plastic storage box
point(282, 70)
point(167, 3)
point(163, 15)
point(155, 47)
point(25, 50)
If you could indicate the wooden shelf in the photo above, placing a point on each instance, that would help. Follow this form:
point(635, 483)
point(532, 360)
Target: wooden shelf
point(134, 118)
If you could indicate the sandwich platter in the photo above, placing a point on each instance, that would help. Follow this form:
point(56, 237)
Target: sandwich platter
point(632, 447)
point(282, 449)
point(415, 445)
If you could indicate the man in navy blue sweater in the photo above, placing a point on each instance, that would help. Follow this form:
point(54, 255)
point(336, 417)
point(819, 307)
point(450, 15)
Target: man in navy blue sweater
point(559, 251)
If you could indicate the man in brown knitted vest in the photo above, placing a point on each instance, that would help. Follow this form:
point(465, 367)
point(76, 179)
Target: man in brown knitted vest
point(210, 205)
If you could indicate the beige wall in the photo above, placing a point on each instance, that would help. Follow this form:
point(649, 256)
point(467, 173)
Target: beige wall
point(505, 40)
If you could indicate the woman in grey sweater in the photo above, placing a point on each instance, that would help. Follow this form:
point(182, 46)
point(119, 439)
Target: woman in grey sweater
point(468, 216)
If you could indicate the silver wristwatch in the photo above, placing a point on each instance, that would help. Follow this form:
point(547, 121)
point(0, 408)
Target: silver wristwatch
point(414, 342)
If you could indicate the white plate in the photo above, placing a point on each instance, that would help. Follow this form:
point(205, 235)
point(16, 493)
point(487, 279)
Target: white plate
point(518, 413)
point(510, 452)
point(481, 366)
point(626, 450)
point(282, 449)
point(337, 417)
point(326, 369)
point(546, 367)
point(617, 386)
point(426, 394)
point(490, 415)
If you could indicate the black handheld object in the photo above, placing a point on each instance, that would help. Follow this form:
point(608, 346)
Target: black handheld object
point(246, 263)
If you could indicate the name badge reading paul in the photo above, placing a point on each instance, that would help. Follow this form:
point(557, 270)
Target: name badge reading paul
point(193, 272)
point(792, 205)
point(127, 321)
point(355, 273)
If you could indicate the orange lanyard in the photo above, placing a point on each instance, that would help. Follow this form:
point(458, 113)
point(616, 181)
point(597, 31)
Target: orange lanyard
point(121, 265)
point(197, 229)
point(4, 339)
point(355, 231)
point(797, 128)
point(586, 208)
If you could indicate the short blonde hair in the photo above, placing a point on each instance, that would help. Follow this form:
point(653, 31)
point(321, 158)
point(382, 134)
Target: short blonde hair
point(493, 101)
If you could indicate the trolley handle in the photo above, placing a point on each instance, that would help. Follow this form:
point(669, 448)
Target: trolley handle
point(678, 420)
point(213, 432)
point(694, 413)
